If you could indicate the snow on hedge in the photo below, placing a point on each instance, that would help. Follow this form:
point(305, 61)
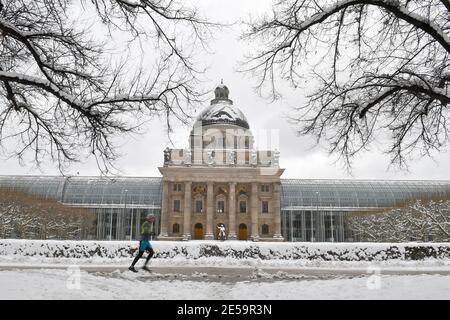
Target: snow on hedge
point(228, 249)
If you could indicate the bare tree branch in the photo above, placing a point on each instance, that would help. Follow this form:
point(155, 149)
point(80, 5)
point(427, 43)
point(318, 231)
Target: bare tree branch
point(376, 66)
point(65, 94)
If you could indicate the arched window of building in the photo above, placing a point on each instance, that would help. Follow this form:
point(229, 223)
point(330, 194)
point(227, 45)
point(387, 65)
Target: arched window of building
point(220, 206)
point(176, 228)
point(198, 203)
point(247, 142)
point(242, 202)
point(265, 229)
point(177, 205)
point(220, 201)
point(265, 206)
point(198, 206)
point(242, 206)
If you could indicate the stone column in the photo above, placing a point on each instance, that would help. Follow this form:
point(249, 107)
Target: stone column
point(232, 211)
point(209, 211)
point(254, 212)
point(165, 209)
point(277, 212)
point(187, 211)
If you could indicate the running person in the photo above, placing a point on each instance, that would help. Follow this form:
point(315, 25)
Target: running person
point(144, 244)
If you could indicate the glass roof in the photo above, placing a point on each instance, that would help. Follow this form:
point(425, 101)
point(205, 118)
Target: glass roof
point(43, 186)
point(90, 191)
point(341, 194)
point(297, 194)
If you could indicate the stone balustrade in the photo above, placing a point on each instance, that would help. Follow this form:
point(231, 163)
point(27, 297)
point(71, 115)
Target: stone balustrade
point(223, 157)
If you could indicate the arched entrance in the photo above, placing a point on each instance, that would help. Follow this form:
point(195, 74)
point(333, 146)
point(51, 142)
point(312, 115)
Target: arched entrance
point(216, 232)
point(242, 234)
point(198, 231)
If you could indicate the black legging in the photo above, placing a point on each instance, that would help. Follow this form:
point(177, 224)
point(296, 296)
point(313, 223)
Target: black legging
point(140, 253)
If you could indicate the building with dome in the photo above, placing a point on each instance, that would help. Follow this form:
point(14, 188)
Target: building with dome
point(220, 178)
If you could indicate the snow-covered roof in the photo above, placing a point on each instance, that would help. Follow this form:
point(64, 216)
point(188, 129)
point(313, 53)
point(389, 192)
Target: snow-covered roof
point(221, 111)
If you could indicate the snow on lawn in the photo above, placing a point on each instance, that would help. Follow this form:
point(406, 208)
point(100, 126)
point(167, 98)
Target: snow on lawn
point(56, 284)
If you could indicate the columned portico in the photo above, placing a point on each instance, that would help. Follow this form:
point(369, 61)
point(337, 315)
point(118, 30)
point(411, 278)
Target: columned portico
point(221, 179)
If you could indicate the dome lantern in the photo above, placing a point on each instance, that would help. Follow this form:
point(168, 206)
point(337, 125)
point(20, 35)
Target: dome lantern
point(221, 94)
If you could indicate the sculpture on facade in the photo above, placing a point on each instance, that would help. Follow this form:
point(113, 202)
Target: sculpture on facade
point(241, 190)
point(221, 228)
point(222, 190)
point(167, 156)
point(276, 158)
point(210, 157)
point(254, 158)
point(199, 190)
point(188, 156)
point(232, 157)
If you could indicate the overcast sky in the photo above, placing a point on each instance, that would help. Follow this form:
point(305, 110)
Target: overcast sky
point(143, 154)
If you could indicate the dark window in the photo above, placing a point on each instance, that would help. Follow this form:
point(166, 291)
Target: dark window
point(264, 188)
point(242, 206)
point(221, 206)
point(198, 206)
point(265, 229)
point(265, 207)
point(176, 205)
point(177, 187)
point(176, 228)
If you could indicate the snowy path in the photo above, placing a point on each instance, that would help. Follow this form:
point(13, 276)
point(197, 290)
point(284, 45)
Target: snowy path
point(60, 284)
point(32, 269)
point(236, 274)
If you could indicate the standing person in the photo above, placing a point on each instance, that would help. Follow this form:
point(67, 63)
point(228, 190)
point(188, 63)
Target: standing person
point(144, 245)
point(221, 232)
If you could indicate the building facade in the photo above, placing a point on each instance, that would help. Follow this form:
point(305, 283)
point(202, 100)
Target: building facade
point(219, 178)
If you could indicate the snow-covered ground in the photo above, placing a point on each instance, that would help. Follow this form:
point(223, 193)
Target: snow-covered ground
point(34, 269)
point(231, 251)
point(62, 284)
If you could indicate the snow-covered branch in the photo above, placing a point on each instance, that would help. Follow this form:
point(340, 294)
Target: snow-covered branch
point(65, 93)
point(364, 66)
point(417, 221)
point(29, 217)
